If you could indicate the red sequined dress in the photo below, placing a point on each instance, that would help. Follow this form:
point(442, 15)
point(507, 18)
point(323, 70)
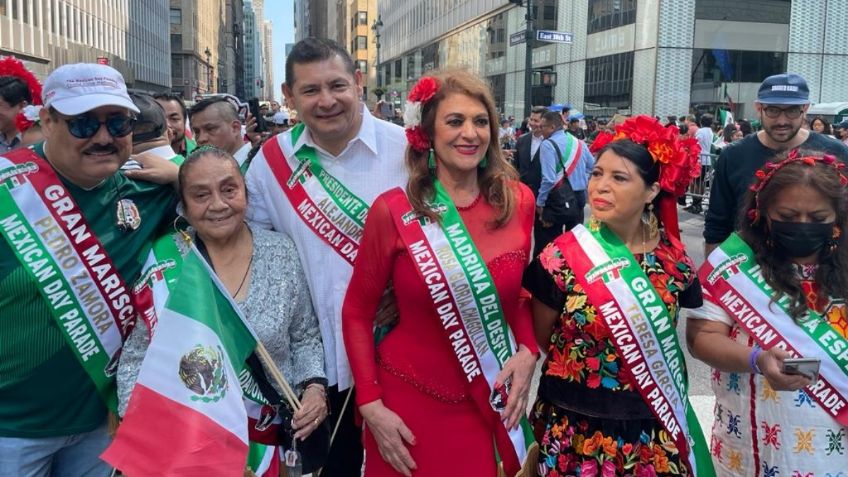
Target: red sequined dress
point(414, 369)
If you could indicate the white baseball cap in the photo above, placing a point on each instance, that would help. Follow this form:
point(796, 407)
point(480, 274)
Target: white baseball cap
point(280, 118)
point(80, 87)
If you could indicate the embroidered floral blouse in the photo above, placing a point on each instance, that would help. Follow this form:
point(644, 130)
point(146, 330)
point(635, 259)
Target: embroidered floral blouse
point(581, 353)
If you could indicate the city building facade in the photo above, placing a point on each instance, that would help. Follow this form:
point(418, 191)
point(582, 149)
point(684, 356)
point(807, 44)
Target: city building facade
point(147, 43)
point(361, 40)
point(195, 46)
point(311, 19)
point(231, 49)
point(268, 60)
point(45, 34)
point(253, 76)
point(657, 57)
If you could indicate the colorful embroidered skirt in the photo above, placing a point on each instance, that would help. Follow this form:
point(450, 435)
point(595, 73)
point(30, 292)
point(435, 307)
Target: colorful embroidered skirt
point(574, 444)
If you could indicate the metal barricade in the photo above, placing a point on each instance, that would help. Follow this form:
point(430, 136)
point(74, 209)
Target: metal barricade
point(699, 189)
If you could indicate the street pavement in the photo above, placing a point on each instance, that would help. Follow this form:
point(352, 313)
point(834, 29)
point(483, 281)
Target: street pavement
point(700, 394)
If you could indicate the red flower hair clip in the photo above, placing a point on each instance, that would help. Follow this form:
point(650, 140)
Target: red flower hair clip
point(11, 66)
point(421, 93)
point(678, 158)
point(764, 175)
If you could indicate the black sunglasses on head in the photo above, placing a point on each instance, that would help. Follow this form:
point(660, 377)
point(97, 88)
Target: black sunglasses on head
point(86, 126)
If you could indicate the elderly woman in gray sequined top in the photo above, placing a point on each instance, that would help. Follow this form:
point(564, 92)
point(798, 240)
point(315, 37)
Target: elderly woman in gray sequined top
point(262, 272)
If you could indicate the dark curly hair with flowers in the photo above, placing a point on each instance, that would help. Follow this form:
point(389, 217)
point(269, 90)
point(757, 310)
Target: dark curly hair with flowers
point(494, 179)
point(777, 269)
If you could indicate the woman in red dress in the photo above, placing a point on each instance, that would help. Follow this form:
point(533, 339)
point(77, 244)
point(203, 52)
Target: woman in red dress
point(417, 390)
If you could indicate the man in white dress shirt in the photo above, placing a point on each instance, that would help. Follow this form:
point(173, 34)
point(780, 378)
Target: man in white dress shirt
point(215, 122)
point(337, 151)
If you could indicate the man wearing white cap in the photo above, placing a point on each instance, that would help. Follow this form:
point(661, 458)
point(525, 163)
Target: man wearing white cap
point(71, 230)
point(279, 123)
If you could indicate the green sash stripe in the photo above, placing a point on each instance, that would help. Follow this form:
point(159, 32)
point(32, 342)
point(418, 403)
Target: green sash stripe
point(66, 310)
point(813, 323)
point(486, 299)
point(352, 206)
point(623, 277)
point(734, 280)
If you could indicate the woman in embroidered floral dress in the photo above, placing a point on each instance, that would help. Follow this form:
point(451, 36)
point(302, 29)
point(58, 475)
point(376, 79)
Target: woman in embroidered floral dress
point(769, 423)
point(589, 419)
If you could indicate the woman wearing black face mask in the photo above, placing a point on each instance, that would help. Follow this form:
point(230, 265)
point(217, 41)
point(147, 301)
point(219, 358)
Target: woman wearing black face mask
point(777, 290)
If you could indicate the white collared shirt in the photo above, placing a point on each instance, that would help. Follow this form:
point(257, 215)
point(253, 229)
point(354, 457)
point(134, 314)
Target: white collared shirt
point(371, 164)
point(535, 142)
point(241, 154)
point(165, 152)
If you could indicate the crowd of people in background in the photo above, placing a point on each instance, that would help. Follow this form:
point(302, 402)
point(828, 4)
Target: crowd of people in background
point(403, 282)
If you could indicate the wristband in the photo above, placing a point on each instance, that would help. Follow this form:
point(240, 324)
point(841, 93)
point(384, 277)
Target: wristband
point(752, 359)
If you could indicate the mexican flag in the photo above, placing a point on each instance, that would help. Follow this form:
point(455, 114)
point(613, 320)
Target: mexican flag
point(186, 415)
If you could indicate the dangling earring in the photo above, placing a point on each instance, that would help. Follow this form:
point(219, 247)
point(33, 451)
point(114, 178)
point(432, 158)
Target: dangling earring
point(431, 161)
point(594, 224)
point(484, 163)
point(650, 220)
point(833, 244)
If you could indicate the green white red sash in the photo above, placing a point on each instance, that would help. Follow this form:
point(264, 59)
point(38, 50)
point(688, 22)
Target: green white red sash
point(643, 333)
point(735, 282)
point(570, 158)
point(50, 236)
point(326, 206)
point(159, 276)
point(467, 302)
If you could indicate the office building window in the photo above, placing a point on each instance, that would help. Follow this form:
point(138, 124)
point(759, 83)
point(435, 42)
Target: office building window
point(758, 11)
point(398, 67)
point(609, 80)
point(361, 43)
point(176, 42)
point(608, 14)
point(176, 16)
point(362, 66)
point(176, 67)
point(726, 66)
point(362, 18)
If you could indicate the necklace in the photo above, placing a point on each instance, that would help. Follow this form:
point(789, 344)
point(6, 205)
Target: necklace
point(244, 277)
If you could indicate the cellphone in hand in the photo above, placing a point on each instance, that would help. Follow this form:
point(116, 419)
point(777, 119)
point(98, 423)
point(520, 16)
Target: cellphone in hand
point(808, 367)
point(253, 104)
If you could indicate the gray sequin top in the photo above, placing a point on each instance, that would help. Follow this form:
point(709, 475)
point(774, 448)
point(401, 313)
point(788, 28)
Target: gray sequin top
point(278, 307)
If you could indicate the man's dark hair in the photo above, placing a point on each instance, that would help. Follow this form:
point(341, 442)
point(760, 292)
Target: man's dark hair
point(13, 90)
point(311, 50)
point(173, 97)
point(150, 121)
point(706, 121)
point(539, 110)
point(224, 107)
point(554, 118)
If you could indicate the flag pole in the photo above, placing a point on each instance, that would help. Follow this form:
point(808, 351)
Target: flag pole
point(277, 376)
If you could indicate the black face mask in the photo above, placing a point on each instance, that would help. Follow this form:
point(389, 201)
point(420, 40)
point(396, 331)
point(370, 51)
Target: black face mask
point(800, 239)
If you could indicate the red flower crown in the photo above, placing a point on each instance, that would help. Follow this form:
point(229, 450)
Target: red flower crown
point(678, 158)
point(423, 91)
point(11, 66)
point(764, 175)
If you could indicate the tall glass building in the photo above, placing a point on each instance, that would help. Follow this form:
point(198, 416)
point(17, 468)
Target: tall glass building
point(658, 57)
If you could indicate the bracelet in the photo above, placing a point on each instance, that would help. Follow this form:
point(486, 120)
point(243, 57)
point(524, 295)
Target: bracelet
point(752, 359)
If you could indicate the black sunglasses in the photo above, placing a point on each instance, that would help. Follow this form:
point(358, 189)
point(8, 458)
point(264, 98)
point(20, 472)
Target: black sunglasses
point(86, 126)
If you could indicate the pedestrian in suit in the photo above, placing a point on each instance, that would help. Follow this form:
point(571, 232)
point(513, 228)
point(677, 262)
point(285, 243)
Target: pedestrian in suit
point(527, 151)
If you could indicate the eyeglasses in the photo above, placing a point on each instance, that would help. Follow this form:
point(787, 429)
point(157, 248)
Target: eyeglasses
point(86, 126)
point(773, 112)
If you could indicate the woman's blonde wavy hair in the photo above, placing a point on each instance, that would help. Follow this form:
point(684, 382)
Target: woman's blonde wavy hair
point(493, 179)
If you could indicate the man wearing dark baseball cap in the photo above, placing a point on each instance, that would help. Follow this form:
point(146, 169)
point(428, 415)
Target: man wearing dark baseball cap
point(72, 228)
point(781, 105)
